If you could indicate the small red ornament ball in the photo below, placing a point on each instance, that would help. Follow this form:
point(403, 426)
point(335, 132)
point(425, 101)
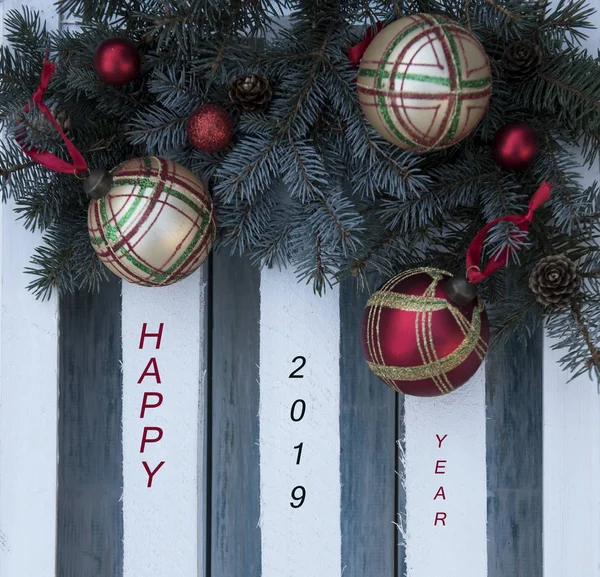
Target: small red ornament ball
point(117, 61)
point(515, 146)
point(210, 128)
point(418, 341)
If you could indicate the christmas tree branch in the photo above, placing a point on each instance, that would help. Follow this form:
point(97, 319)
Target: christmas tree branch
point(594, 359)
point(571, 89)
point(505, 11)
point(17, 168)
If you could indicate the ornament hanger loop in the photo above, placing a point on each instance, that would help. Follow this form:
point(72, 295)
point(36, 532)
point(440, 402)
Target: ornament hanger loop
point(473, 266)
point(85, 174)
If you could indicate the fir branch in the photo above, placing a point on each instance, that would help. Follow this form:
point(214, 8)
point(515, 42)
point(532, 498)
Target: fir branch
point(510, 15)
point(594, 358)
point(17, 168)
point(595, 103)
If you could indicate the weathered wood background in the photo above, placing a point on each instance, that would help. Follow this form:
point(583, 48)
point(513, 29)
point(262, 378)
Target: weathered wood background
point(325, 475)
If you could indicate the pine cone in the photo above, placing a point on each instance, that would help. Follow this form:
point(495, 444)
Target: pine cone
point(250, 93)
point(555, 281)
point(521, 60)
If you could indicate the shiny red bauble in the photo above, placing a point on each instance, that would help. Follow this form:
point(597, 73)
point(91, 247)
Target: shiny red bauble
point(417, 341)
point(210, 128)
point(117, 61)
point(515, 146)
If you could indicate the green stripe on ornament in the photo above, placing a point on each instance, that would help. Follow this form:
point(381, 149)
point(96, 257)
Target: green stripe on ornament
point(110, 230)
point(457, 112)
point(432, 79)
point(185, 199)
point(382, 74)
point(160, 276)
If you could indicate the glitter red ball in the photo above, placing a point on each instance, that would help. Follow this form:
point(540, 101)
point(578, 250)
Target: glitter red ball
point(117, 61)
point(210, 128)
point(515, 146)
point(417, 341)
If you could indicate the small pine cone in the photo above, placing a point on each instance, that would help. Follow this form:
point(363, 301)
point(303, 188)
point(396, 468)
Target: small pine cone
point(250, 93)
point(521, 60)
point(555, 281)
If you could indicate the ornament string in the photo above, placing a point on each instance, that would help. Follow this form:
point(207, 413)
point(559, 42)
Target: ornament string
point(356, 52)
point(45, 158)
point(522, 221)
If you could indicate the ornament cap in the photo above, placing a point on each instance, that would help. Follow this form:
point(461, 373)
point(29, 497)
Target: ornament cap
point(460, 290)
point(98, 183)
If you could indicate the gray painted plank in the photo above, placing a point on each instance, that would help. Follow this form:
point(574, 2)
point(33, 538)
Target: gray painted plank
point(514, 458)
point(235, 544)
point(368, 429)
point(90, 478)
point(401, 570)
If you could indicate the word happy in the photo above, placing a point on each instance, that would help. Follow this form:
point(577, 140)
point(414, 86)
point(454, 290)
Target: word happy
point(440, 469)
point(151, 400)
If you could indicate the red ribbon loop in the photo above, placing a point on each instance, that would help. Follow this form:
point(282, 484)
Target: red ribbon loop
point(475, 250)
point(45, 158)
point(356, 52)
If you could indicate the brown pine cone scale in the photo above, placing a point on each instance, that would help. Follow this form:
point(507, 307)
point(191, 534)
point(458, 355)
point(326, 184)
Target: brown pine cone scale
point(521, 60)
point(250, 92)
point(555, 281)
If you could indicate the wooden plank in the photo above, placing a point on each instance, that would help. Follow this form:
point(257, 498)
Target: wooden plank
point(445, 448)
point(400, 497)
point(90, 478)
point(514, 458)
point(572, 445)
point(368, 462)
point(571, 472)
point(28, 396)
point(299, 428)
point(233, 492)
point(163, 412)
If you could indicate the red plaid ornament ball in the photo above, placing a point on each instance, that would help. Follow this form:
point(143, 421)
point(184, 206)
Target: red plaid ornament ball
point(424, 82)
point(417, 340)
point(156, 225)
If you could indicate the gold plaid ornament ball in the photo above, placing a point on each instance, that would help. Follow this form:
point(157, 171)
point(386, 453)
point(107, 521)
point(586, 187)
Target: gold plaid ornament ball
point(417, 340)
point(424, 82)
point(156, 225)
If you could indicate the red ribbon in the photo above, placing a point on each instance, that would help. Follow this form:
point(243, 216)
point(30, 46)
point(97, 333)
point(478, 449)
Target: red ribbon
point(45, 158)
point(522, 221)
point(356, 52)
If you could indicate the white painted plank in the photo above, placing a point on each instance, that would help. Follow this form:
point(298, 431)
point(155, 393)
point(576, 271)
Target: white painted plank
point(304, 541)
point(447, 434)
point(28, 398)
point(162, 523)
point(571, 472)
point(572, 447)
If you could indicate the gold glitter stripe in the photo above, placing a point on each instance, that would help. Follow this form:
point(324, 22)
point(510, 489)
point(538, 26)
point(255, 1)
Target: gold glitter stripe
point(434, 369)
point(411, 303)
point(466, 327)
point(421, 340)
point(442, 379)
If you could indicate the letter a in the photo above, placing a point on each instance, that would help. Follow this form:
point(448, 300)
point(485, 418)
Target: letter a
point(441, 493)
point(146, 372)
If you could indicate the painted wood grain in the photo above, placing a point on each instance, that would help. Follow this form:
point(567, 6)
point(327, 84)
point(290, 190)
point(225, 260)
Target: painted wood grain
point(446, 482)
point(400, 497)
point(514, 458)
point(233, 491)
point(572, 443)
point(299, 428)
point(571, 429)
point(90, 479)
point(28, 397)
point(163, 388)
point(571, 472)
point(371, 544)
